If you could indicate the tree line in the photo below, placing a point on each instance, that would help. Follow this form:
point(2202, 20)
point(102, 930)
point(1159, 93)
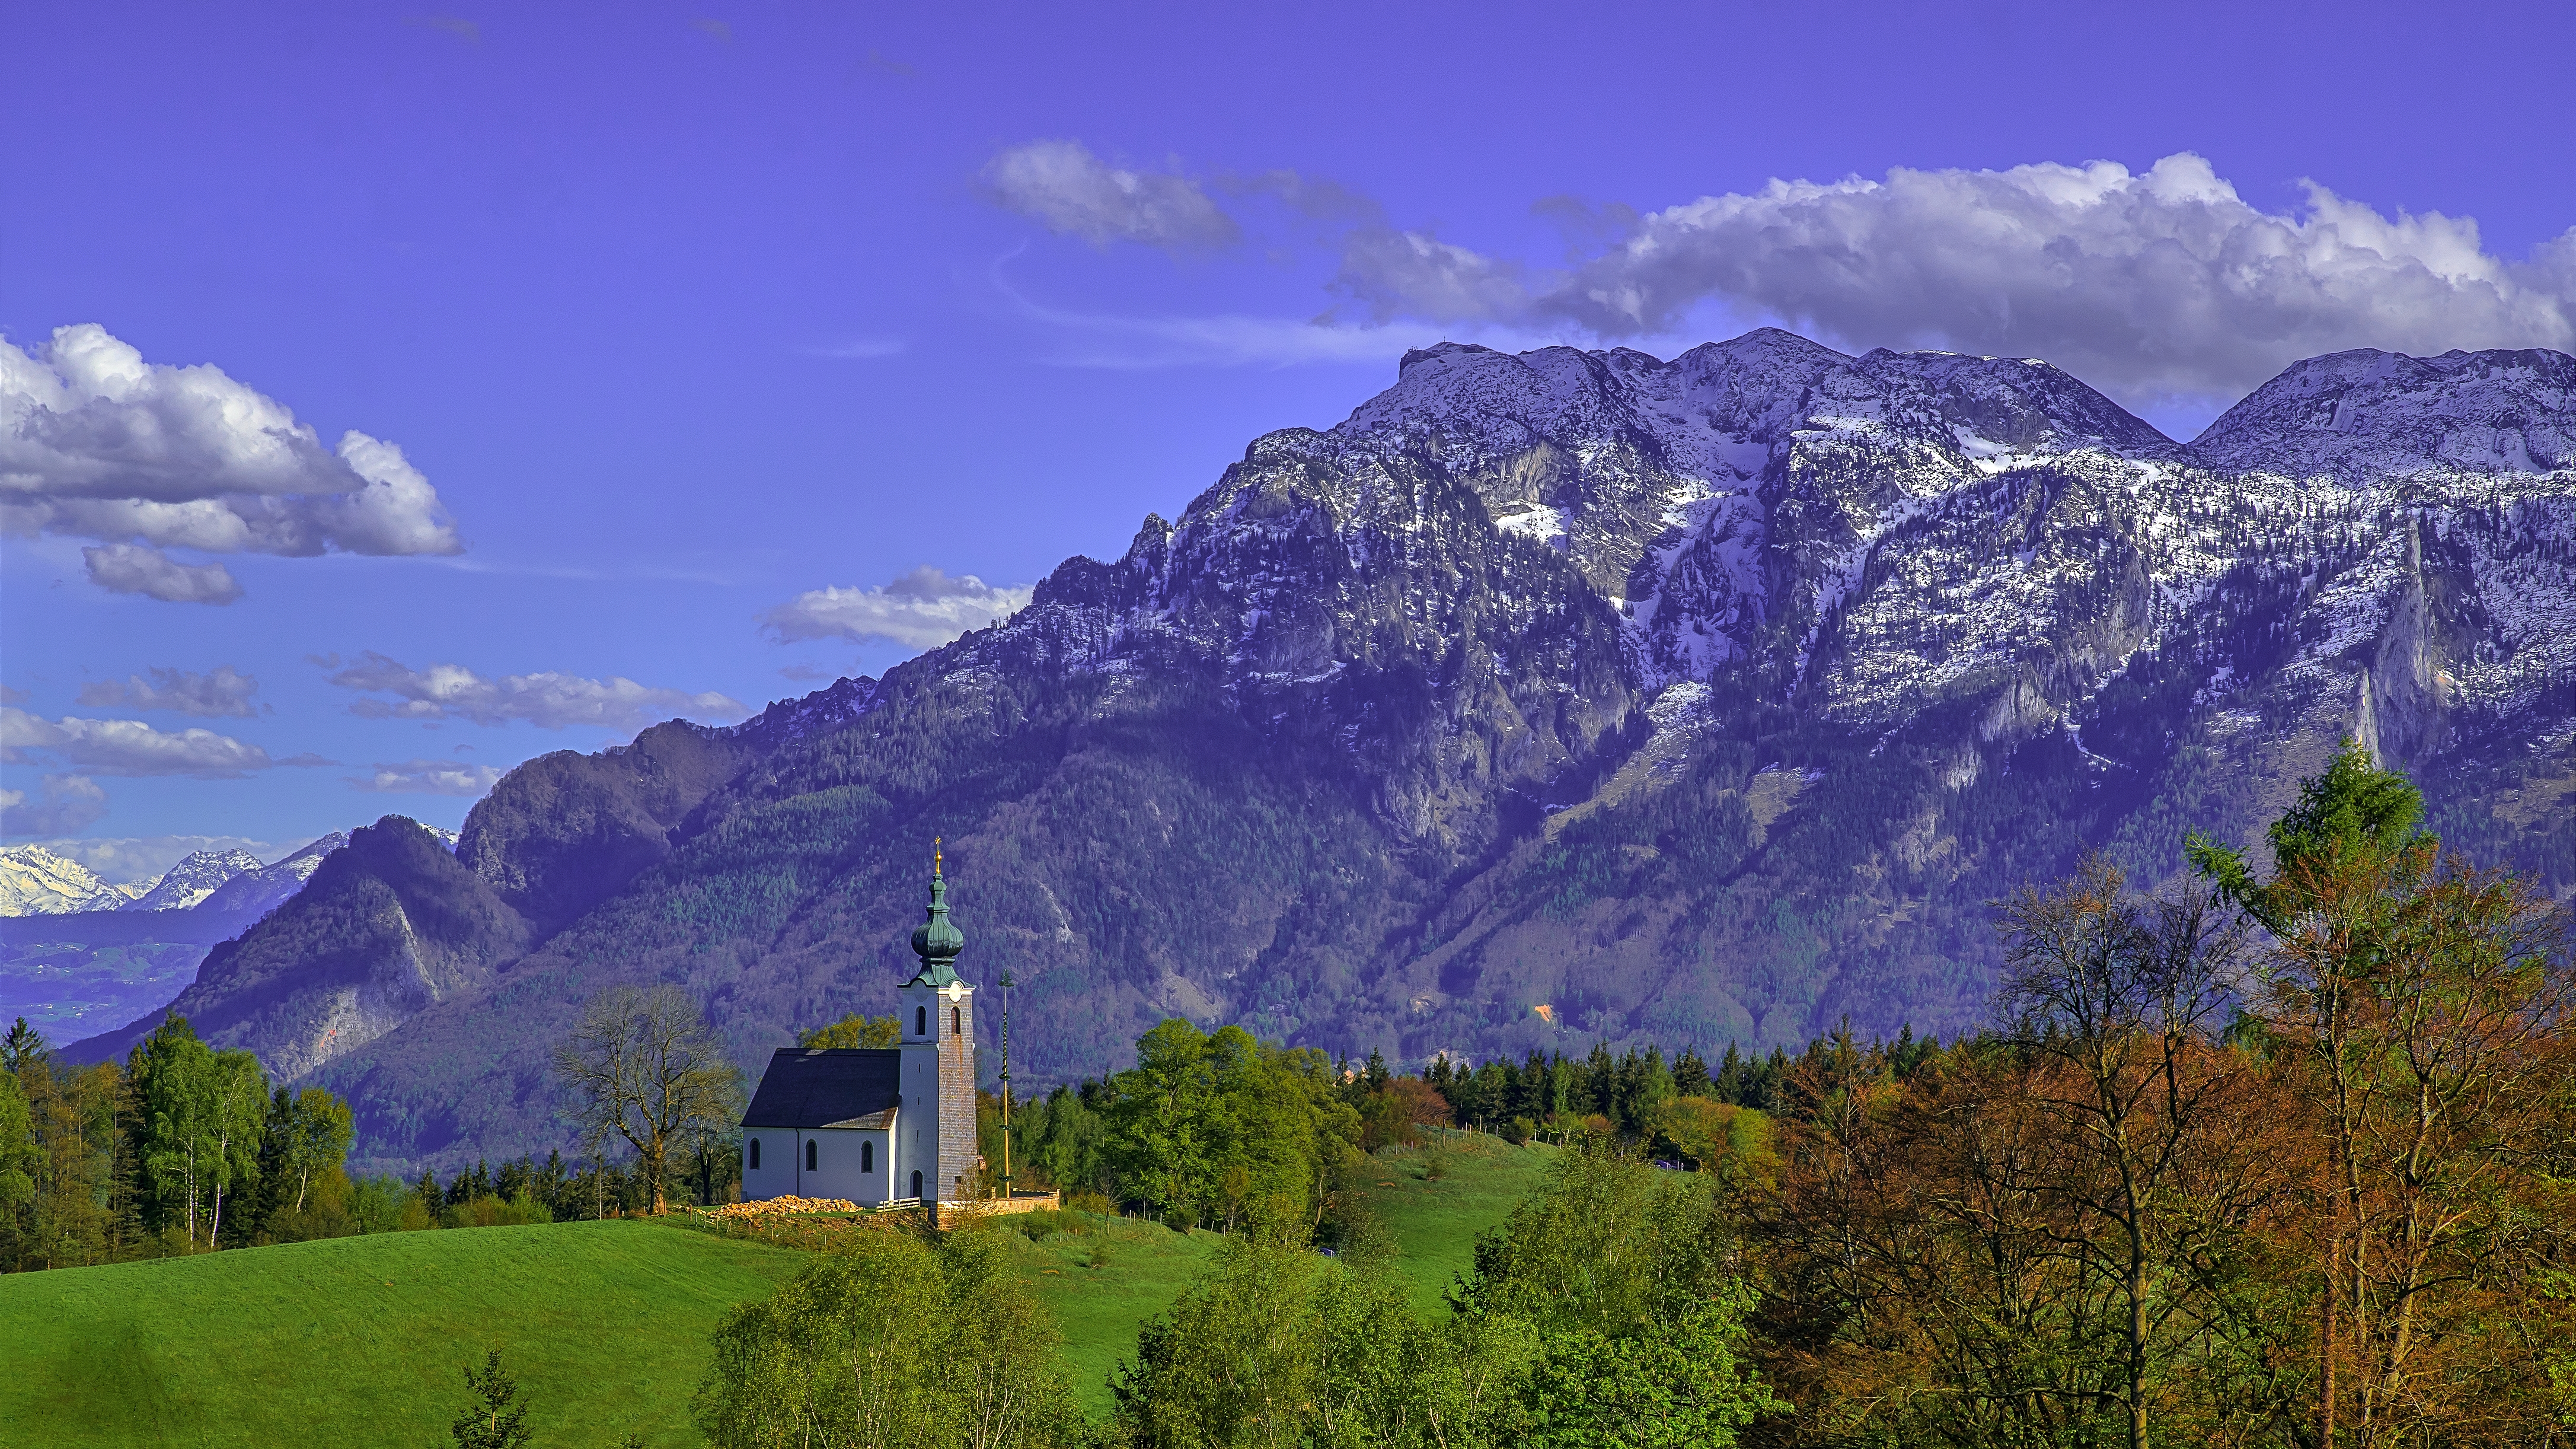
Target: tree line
point(178, 1148)
point(183, 1148)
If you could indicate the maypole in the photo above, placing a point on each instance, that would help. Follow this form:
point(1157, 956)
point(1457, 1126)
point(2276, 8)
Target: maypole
point(1006, 1084)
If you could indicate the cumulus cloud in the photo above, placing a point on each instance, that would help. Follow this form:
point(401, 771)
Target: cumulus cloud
point(549, 700)
point(127, 568)
point(428, 777)
point(69, 803)
point(920, 610)
point(1074, 192)
point(130, 747)
point(142, 457)
point(219, 692)
point(2160, 283)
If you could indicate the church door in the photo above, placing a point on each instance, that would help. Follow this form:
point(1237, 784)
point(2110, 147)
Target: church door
point(916, 1184)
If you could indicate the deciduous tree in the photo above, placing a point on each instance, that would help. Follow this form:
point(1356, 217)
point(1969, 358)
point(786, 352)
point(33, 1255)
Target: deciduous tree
point(645, 1067)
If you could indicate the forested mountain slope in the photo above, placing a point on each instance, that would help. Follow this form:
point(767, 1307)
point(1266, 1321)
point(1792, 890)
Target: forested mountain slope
point(1568, 696)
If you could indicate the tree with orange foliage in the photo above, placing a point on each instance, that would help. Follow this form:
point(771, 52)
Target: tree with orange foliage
point(2424, 1013)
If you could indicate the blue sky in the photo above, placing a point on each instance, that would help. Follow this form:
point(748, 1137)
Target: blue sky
point(680, 314)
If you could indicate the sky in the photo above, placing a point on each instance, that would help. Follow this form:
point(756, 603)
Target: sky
point(390, 394)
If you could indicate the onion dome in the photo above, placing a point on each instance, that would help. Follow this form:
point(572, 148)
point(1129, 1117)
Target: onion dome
point(937, 941)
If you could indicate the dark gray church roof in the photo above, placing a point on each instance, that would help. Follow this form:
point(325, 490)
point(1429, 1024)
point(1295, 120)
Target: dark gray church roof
point(832, 1087)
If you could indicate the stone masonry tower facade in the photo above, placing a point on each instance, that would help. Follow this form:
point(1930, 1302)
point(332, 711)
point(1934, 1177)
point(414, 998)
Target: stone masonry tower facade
point(937, 1014)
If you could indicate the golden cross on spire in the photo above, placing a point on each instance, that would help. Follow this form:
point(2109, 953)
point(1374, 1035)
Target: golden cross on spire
point(937, 857)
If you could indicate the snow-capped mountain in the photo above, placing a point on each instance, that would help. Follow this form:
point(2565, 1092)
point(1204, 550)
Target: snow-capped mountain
point(1694, 700)
point(36, 882)
point(266, 887)
point(193, 879)
point(2372, 417)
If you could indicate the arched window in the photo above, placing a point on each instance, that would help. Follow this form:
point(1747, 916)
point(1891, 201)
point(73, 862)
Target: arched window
point(921, 1021)
point(755, 1154)
point(954, 1029)
point(809, 1154)
point(867, 1157)
point(916, 1184)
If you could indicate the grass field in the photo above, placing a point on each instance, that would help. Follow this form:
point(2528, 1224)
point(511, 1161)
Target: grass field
point(359, 1341)
point(1434, 1221)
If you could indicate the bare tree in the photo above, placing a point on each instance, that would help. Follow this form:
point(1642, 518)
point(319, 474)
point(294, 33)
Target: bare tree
point(2115, 999)
point(645, 1066)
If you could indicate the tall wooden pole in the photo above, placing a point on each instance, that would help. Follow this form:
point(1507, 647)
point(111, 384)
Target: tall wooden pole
point(1006, 1085)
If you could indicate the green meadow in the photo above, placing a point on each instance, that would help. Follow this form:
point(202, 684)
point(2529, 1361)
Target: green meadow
point(360, 1341)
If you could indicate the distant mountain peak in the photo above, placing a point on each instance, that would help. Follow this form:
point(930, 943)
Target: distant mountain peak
point(193, 879)
point(35, 881)
point(2367, 415)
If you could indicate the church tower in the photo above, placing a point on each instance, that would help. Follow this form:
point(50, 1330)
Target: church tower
point(935, 1160)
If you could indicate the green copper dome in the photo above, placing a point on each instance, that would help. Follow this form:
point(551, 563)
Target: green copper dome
point(936, 941)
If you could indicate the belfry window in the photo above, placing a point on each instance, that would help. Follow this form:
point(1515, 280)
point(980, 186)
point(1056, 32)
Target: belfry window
point(921, 1021)
point(809, 1154)
point(867, 1157)
point(755, 1154)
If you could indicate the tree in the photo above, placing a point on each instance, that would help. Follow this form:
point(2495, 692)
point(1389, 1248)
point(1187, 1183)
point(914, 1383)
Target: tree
point(645, 1066)
point(494, 1420)
point(2427, 1014)
point(21, 1045)
point(854, 1030)
point(1227, 1128)
point(2110, 999)
point(822, 1364)
point(20, 1159)
point(198, 1125)
point(1625, 1277)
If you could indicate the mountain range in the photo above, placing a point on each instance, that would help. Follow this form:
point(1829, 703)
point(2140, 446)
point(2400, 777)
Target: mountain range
point(35, 881)
point(1548, 699)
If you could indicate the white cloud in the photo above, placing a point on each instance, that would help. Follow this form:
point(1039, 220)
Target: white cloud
point(2149, 284)
point(70, 802)
point(920, 610)
point(429, 777)
point(127, 568)
point(1409, 274)
point(549, 700)
point(140, 857)
point(219, 692)
point(96, 443)
point(1074, 192)
point(132, 748)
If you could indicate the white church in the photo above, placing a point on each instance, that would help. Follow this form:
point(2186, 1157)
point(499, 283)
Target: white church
point(894, 1124)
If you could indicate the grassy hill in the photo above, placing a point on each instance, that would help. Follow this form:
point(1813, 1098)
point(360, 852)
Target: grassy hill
point(1434, 1222)
point(358, 1341)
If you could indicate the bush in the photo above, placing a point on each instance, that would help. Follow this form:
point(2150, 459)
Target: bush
point(822, 1363)
point(496, 1212)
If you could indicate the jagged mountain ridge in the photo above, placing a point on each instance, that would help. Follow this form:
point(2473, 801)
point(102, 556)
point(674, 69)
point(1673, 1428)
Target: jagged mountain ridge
point(35, 881)
point(1692, 700)
point(194, 878)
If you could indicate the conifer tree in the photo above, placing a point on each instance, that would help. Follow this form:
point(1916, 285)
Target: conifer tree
point(495, 1420)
